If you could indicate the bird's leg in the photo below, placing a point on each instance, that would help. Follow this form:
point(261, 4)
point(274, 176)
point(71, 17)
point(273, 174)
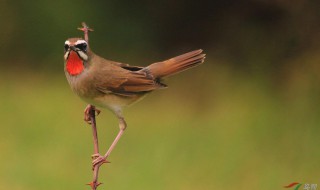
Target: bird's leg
point(99, 159)
point(87, 110)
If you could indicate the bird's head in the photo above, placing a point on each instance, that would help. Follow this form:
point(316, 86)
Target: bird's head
point(77, 45)
point(75, 54)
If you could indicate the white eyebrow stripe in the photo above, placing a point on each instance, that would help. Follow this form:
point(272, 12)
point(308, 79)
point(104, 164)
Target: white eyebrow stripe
point(80, 42)
point(67, 42)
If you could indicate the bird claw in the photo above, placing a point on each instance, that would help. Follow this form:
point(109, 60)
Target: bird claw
point(87, 110)
point(98, 160)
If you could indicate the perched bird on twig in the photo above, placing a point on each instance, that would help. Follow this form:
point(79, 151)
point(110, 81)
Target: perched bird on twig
point(114, 85)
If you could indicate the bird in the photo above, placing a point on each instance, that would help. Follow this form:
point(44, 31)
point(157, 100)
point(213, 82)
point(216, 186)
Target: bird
point(114, 85)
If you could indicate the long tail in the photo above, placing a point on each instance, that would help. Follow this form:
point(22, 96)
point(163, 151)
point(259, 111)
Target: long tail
point(177, 64)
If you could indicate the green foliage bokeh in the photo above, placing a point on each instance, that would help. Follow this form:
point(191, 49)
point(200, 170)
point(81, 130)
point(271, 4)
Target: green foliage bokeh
point(246, 119)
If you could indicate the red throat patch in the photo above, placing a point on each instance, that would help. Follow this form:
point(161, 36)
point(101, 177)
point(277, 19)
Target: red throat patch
point(74, 64)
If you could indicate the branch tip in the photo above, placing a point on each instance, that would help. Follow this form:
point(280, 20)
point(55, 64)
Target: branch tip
point(85, 28)
point(86, 31)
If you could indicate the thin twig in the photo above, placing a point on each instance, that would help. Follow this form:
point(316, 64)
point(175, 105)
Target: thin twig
point(86, 31)
point(92, 112)
point(94, 184)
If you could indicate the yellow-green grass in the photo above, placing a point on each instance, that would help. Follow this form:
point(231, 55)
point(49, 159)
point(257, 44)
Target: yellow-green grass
point(208, 130)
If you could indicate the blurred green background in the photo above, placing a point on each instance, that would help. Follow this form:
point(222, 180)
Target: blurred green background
point(246, 119)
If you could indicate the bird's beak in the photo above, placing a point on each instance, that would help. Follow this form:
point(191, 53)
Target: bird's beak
point(80, 53)
point(73, 48)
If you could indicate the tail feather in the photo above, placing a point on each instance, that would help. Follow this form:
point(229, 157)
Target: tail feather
point(177, 64)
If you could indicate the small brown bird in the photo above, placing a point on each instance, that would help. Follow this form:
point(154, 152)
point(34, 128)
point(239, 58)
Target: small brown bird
point(113, 85)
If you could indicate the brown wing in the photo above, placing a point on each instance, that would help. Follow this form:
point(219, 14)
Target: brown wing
point(126, 66)
point(110, 77)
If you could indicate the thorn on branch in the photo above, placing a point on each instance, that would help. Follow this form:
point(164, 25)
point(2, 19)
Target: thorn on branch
point(93, 184)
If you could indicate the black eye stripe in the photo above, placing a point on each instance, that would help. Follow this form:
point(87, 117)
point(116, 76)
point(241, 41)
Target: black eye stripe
point(66, 47)
point(82, 46)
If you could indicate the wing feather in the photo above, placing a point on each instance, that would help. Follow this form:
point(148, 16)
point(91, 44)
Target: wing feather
point(122, 81)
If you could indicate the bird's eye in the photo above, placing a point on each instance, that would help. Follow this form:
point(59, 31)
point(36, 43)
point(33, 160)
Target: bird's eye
point(66, 47)
point(82, 46)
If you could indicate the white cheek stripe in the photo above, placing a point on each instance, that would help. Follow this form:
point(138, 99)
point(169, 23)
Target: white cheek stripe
point(83, 55)
point(66, 55)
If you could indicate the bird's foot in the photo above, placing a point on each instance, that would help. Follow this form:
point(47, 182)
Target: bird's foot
point(98, 160)
point(87, 113)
